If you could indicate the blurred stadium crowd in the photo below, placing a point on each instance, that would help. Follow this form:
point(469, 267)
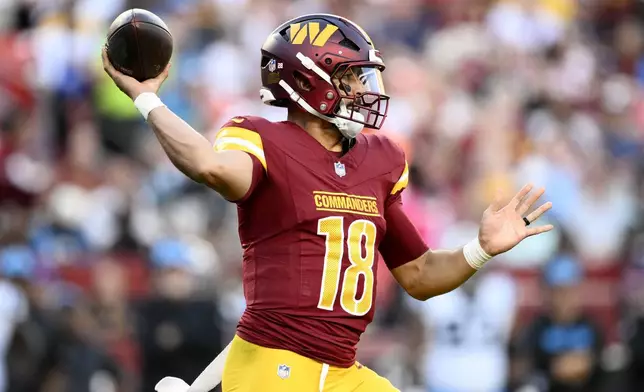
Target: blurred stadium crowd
point(115, 270)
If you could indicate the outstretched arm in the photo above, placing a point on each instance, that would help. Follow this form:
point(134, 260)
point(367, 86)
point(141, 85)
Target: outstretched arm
point(434, 273)
point(228, 172)
point(437, 272)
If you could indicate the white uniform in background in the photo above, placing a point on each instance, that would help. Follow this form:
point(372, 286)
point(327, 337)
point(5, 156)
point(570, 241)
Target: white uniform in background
point(468, 336)
point(13, 309)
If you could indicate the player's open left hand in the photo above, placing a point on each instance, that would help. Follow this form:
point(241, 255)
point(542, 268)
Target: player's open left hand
point(504, 226)
point(130, 86)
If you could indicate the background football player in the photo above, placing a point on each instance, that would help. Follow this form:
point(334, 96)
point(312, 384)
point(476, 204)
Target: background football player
point(316, 201)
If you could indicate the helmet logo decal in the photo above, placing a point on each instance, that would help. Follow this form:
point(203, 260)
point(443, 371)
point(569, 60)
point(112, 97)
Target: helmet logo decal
point(274, 71)
point(272, 65)
point(299, 33)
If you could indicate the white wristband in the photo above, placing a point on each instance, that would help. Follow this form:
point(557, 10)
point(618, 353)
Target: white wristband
point(146, 102)
point(474, 254)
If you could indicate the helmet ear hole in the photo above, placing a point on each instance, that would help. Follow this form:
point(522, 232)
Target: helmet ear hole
point(302, 81)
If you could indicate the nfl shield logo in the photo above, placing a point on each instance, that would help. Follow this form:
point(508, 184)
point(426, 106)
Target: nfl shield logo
point(272, 65)
point(340, 170)
point(283, 371)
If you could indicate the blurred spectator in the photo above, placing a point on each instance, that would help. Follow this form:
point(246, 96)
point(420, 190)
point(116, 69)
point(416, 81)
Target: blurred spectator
point(469, 328)
point(81, 363)
point(179, 334)
point(34, 346)
point(633, 291)
point(526, 25)
point(13, 308)
point(561, 349)
point(635, 341)
point(114, 320)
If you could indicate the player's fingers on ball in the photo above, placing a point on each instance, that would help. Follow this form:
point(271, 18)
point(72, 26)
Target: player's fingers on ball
point(536, 214)
point(106, 60)
point(107, 65)
point(538, 230)
point(520, 195)
point(160, 78)
point(165, 73)
point(527, 203)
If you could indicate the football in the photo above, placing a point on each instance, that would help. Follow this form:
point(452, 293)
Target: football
point(139, 44)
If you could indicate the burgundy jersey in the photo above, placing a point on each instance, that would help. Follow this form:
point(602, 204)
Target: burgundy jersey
point(311, 228)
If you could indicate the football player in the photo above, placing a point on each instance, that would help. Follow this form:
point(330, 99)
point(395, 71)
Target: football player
point(317, 201)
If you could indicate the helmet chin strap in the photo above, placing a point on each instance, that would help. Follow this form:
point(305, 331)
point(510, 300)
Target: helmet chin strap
point(348, 128)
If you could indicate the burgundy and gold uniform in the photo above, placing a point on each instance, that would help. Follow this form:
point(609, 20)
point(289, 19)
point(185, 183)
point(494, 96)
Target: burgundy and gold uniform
point(311, 227)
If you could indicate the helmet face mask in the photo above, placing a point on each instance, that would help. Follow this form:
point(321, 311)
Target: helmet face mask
point(328, 66)
point(362, 93)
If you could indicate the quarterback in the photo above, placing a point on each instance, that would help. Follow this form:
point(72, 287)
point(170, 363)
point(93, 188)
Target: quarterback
point(318, 202)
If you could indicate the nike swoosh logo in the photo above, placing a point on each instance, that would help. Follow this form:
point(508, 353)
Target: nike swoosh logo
point(237, 120)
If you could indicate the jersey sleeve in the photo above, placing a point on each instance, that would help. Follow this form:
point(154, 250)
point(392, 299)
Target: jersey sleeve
point(240, 134)
point(402, 242)
point(399, 175)
point(402, 182)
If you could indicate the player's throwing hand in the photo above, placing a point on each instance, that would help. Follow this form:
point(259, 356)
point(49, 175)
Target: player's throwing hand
point(130, 86)
point(503, 227)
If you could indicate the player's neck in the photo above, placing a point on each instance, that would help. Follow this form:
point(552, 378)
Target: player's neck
point(325, 134)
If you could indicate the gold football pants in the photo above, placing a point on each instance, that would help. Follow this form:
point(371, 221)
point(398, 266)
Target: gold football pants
point(252, 368)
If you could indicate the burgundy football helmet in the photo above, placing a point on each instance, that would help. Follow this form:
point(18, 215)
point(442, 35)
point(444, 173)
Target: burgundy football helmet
point(330, 68)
